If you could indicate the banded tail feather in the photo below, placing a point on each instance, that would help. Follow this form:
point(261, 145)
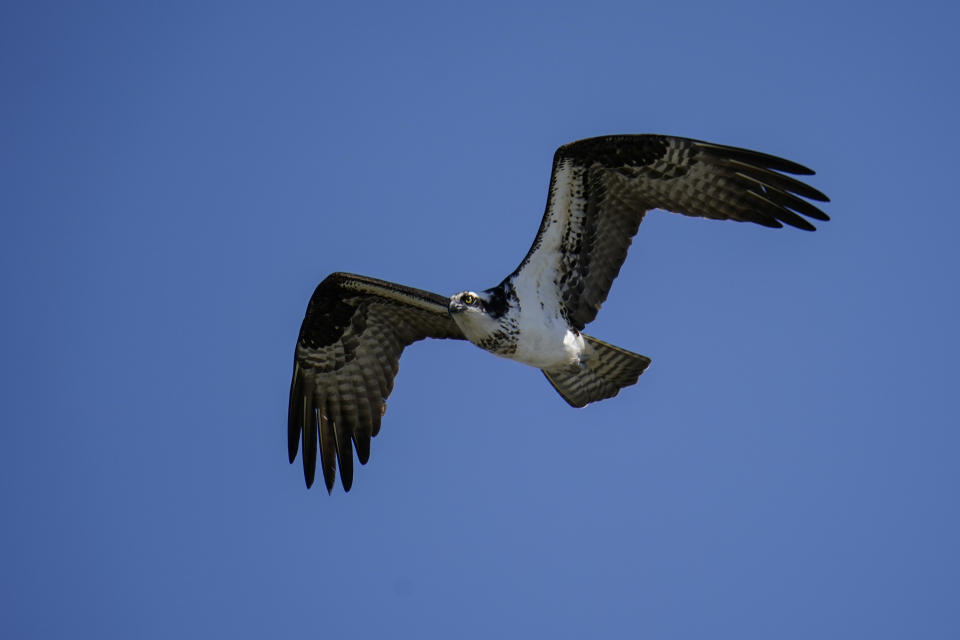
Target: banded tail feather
point(605, 370)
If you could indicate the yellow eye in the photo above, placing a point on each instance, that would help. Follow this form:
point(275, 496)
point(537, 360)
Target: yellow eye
point(469, 298)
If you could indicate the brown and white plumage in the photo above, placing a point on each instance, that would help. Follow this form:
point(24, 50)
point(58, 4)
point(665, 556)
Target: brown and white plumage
point(600, 189)
point(356, 327)
point(346, 359)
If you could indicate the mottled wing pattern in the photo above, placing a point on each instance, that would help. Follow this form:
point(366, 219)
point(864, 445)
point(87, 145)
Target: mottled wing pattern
point(346, 359)
point(601, 188)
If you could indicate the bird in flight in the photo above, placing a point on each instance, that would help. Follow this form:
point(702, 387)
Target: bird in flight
point(356, 327)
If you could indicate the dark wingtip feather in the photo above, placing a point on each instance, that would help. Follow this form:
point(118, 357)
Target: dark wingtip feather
point(774, 210)
point(328, 453)
point(345, 458)
point(294, 426)
point(293, 444)
point(802, 224)
point(378, 418)
point(308, 422)
point(361, 443)
point(309, 454)
point(800, 206)
point(777, 181)
point(792, 219)
point(772, 223)
point(756, 158)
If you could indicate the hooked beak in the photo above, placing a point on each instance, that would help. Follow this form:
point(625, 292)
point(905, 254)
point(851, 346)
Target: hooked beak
point(456, 306)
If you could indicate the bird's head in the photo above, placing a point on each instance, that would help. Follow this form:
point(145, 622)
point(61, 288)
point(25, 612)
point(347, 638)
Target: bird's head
point(471, 311)
point(468, 302)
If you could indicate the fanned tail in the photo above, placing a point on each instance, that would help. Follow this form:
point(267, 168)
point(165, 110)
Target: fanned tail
point(602, 374)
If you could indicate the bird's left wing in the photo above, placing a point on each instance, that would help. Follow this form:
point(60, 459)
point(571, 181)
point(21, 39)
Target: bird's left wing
point(346, 359)
point(600, 189)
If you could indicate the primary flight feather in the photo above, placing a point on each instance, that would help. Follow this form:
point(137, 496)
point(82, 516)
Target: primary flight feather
point(356, 327)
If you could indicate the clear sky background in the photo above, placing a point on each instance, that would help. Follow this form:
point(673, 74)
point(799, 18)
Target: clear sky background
point(177, 178)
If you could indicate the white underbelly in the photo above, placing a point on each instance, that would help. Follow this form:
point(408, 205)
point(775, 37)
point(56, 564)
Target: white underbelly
point(550, 346)
point(546, 340)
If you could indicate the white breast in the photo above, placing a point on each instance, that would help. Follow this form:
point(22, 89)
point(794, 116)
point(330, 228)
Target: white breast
point(546, 340)
point(548, 346)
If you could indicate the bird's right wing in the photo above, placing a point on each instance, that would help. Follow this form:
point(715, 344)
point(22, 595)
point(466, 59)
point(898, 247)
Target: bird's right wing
point(600, 189)
point(346, 358)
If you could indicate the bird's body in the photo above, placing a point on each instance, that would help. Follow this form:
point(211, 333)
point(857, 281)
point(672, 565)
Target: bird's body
point(534, 334)
point(600, 189)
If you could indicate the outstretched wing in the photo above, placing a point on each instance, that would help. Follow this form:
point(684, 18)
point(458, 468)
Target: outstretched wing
point(601, 188)
point(346, 359)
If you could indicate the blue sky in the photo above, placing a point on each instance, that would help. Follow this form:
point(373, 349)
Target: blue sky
point(176, 179)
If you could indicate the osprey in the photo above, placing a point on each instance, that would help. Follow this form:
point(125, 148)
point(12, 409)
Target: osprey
point(356, 327)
